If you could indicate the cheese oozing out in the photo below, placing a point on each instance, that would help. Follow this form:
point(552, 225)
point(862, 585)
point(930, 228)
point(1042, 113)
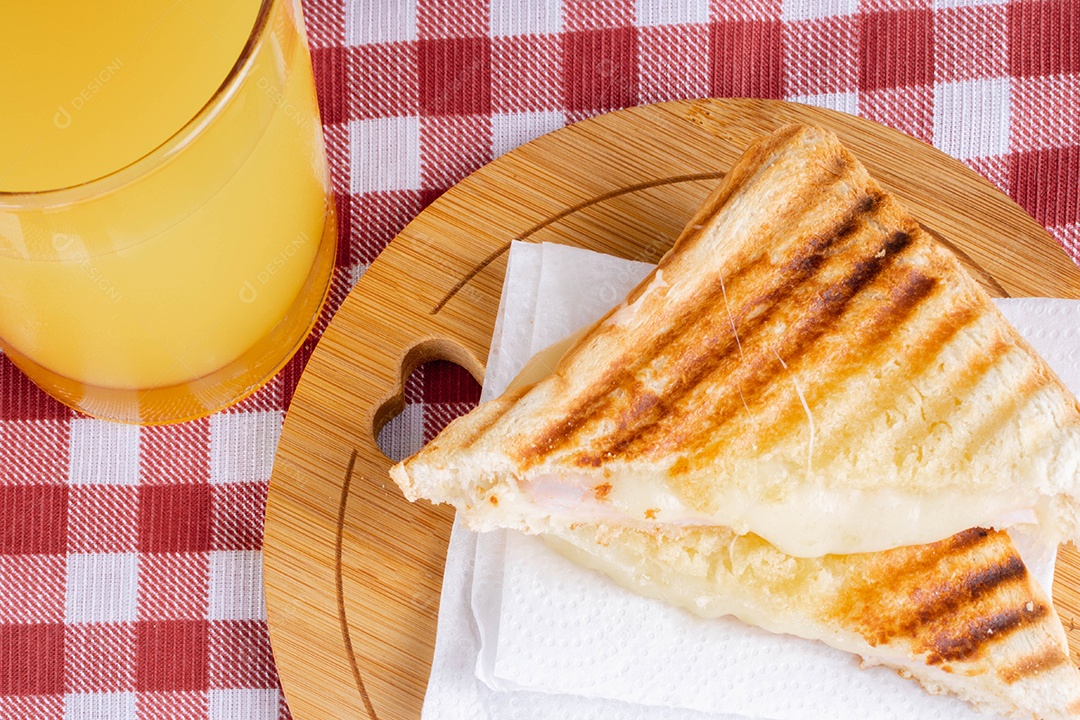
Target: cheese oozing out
point(808, 521)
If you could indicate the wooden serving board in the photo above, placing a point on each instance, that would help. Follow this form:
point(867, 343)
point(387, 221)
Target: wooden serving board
point(352, 570)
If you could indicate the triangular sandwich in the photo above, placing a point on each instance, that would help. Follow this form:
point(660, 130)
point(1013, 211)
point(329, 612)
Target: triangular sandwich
point(961, 615)
point(807, 370)
point(806, 363)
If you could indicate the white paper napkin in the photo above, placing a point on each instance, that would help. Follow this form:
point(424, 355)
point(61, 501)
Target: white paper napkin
point(523, 633)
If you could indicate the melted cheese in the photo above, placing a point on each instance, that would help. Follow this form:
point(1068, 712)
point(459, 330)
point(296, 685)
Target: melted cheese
point(807, 522)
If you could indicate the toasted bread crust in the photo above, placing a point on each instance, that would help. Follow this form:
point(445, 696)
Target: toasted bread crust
point(803, 332)
point(805, 341)
point(961, 615)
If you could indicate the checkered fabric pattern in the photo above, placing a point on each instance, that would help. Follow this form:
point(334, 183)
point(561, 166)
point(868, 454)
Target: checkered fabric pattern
point(130, 576)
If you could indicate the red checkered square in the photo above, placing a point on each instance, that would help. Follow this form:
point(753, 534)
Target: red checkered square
point(240, 655)
point(103, 519)
point(343, 219)
point(194, 705)
point(20, 399)
point(659, 79)
point(32, 588)
point(37, 707)
point(173, 586)
point(28, 451)
point(445, 382)
point(452, 147)
point(325, 22)
point(586, 15)
point(100, 657)
point(821, 56)
point(971, 43)
point(377, 217)
point(1044, 183)
point(458, 19)
point(747, 59)
point(170, 454)
point(32, 659)
point(1044, 37)
point(526, 73)
point(33, 519)
point(720, 10)
point(455, 76)
point(600, 70)
point(237, 516)
point(331, 83)
point(171, 655)
point(381, 81)
point(290, 374)
point(907, 109)
point(896, 49)
point(174, 518)
point(1037, 122)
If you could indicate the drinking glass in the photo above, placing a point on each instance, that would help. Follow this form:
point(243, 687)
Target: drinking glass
point(178, 283)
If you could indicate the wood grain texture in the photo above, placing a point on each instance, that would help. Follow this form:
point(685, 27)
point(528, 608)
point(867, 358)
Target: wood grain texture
point(352, 570)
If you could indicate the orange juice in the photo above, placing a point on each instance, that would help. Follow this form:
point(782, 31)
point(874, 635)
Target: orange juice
point(166, 232)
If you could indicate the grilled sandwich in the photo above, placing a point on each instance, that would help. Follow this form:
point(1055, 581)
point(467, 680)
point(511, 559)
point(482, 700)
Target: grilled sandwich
point(809, 370)
point(961, 615)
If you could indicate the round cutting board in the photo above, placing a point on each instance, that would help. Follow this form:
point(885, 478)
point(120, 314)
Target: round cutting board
point(352, 570)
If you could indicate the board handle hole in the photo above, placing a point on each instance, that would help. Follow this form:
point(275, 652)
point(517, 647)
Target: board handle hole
point(437, 387)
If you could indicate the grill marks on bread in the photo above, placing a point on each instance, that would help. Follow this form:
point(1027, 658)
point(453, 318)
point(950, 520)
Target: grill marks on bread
point(781, 304)
point(953, 601)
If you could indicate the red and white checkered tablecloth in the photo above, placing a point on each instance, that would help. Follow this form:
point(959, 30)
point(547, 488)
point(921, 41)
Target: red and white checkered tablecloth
point(130, 567)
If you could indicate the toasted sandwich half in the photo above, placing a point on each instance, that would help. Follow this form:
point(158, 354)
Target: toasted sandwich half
point(806, 363)
point(808, 368)
point(960, 615)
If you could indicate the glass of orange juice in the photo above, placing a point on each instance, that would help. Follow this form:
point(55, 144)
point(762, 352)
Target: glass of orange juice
point(167, 230)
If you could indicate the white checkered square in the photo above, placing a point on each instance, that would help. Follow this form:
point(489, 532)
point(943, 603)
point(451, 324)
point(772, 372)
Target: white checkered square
point(971, 118)
point(385, 154)
point(242, 446)
point(525, 17)
point(368, 22)
point(102, 587)
point(403, 435)
point(671, 12)
point(844, 102)
point(815, 9)
point(100, 706)
point(513, 129)
point(103, 453)
point(236, 588)
point(248, 704)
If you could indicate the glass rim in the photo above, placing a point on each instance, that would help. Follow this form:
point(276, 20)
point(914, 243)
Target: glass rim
point(169, 146)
